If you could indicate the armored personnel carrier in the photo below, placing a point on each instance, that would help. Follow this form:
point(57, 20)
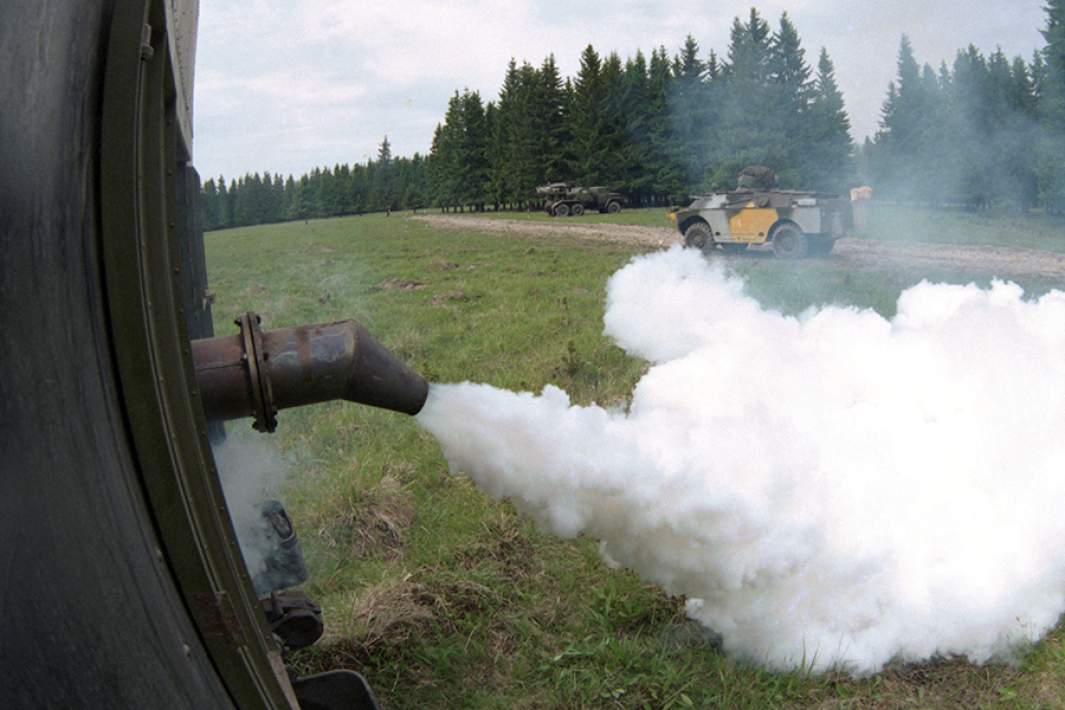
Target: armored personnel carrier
point(563, 200)
point(795, 223)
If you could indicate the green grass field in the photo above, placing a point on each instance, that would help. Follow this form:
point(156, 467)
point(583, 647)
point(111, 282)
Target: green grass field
point(444, 598)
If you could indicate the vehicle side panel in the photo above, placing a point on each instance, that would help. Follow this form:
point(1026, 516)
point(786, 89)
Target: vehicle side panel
point(752, 224)
point(808, 219)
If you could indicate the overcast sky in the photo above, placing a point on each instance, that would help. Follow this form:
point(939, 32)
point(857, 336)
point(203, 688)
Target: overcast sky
point(284, 86)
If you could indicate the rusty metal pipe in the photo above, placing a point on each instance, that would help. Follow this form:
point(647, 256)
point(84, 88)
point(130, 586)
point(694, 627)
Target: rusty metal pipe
point(258, 373)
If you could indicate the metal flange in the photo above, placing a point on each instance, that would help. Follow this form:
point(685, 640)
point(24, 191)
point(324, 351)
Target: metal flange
point(256, 369)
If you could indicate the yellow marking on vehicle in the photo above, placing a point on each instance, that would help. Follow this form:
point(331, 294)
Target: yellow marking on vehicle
point(752, 224)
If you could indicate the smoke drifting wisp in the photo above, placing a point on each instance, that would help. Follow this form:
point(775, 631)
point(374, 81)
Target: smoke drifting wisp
point(834, 489)
point(252, 471)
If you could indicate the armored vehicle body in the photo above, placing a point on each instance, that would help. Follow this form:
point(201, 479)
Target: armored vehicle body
point(794, 222)
point(562, 200)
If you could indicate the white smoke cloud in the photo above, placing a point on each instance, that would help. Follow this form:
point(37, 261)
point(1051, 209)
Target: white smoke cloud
point(830, 490)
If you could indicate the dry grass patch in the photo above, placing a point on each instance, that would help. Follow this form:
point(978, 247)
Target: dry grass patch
point(389, 616)
point(382, 519)
point(941, 683)
point(399, 285)
point(503, 546)
point(375, 524)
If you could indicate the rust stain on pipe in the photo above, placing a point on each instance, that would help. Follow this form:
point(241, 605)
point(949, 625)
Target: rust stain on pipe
point(291, 367)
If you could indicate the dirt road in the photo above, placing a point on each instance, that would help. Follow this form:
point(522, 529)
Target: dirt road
point(860, 253)
point(588, 231)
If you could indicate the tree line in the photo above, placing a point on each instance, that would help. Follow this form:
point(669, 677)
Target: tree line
point(980, 133)
point(655, 129)
point(386, 183)
point(983, 132)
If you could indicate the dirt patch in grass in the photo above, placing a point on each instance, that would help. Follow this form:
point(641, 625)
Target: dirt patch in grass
point(375, 525)
point(441, 298)
point(381, 520)
point(388, 617)
point(504, 546)
point(399, 285)
point(943, 683)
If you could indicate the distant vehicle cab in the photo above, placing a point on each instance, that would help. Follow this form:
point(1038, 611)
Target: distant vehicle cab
point(795, 223)
point(563, 200)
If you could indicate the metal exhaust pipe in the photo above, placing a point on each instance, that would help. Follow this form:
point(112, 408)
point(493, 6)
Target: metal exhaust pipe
point(258, 373)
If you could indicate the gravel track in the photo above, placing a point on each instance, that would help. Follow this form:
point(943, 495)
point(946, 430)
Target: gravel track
point(861, 253)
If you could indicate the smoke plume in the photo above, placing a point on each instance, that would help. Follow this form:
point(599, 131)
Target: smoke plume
point(834, 490)
point(252, 471)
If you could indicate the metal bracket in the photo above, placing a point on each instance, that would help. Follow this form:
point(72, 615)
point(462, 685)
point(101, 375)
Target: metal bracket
point(147, 52)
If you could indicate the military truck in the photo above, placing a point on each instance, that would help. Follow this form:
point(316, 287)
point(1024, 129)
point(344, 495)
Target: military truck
point(563, 200)
point(795, 223)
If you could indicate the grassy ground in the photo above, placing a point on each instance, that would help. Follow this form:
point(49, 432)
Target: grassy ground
point(445, 598)
point(1030, 231)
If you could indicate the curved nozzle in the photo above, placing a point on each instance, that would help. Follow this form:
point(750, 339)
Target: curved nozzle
point(258, 373)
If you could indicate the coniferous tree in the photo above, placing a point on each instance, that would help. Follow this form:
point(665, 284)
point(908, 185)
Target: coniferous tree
point(668, 174)
point(636, 157)
point(473, 178)
point(229, 207)
point(827, 161)
point(503, 139)
point(209, 206)
point(382, 188)
point(614, 137)
point(525, 136)
point(745, 135)
point(553, 128)
point(791, 92)
point(588, 121)
point(1051, 175)
point(902, 138)
point(437, 168)
point(1023, 104)
point(689, 112)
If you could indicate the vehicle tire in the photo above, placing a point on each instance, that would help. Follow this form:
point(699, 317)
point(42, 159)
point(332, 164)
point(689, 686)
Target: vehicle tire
point(734, 248)
point(789, 242)
point(562, 210)
point(613, 207)
point(578, 210)
point(699, 236)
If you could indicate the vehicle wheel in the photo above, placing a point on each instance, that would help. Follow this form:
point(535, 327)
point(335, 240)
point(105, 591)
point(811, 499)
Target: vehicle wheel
point(613, 207)
point(789, 242)
point(562, 210)
point(578, 210)
point(734, 248)
point(699, 236)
